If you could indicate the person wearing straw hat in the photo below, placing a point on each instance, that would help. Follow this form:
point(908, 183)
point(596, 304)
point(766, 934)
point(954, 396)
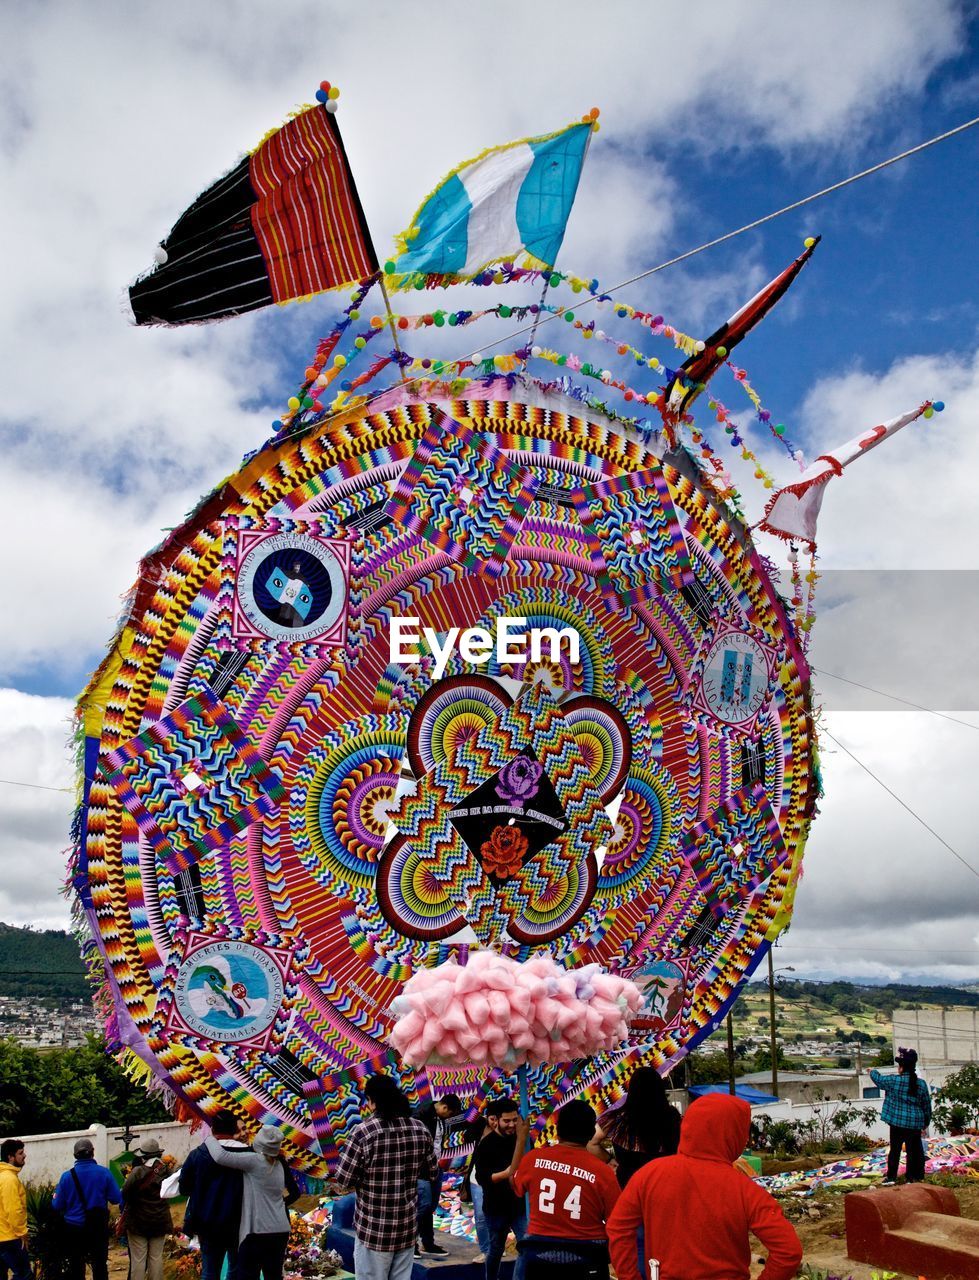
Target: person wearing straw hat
point(148, 1221)
point(267, 1190)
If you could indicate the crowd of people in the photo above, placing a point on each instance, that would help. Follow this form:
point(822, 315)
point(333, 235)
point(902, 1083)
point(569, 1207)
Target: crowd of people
point(641, 1192)
point(237, 1198)
point(635, 1189)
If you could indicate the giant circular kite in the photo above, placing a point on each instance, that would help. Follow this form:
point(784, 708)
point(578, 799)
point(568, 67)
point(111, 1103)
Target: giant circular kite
point(297, 805)
point(463, 661)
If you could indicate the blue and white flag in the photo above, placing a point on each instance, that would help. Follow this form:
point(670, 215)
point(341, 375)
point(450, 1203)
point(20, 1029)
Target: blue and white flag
point(510, 203)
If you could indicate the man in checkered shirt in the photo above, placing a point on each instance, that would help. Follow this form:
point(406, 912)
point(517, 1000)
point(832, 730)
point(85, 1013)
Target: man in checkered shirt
point(382, 1161)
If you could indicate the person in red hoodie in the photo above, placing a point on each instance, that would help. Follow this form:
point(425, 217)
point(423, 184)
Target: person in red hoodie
point(696, 1209)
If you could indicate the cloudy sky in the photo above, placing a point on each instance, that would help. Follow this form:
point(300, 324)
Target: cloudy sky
point(115, 115)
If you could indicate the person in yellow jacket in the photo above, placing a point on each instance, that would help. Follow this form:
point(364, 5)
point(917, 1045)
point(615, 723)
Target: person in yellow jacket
point(13, 1212)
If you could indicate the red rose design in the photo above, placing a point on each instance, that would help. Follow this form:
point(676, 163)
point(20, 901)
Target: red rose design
point(503, 852)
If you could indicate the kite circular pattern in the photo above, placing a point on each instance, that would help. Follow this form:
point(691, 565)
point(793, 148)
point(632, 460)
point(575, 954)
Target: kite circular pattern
point(599, 747)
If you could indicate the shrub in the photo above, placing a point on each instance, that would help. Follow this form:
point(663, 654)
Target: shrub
point(45, 1233)
point(959, 1095)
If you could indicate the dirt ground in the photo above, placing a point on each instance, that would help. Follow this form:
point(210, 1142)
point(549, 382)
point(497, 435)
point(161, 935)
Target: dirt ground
point(819, 1222)
point(817, 1218)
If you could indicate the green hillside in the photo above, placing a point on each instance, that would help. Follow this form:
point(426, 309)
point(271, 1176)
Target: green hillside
point(41, 962)
point(837, 1010)
point(36, 962)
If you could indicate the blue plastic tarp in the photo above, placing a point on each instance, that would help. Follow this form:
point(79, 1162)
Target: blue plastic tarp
point(754, 1097)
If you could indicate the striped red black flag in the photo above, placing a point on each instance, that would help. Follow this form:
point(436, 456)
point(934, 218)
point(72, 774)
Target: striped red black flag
point(285, 223)
point(695, 372)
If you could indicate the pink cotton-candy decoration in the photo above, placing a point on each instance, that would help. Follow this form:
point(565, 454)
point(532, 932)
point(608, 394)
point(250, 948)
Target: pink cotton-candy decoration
point(495, 1011)
point(477, 1009)
point(454, 1018)
point(500, 1008)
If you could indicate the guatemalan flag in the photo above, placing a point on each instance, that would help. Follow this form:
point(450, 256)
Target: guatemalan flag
point(510, 203)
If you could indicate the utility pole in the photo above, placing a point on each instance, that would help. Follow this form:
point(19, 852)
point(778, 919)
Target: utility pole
point(730, 1051)
point(771, 1021)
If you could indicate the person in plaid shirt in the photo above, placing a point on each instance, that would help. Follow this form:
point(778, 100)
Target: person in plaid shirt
point(383, 1160)
point(907, 1109)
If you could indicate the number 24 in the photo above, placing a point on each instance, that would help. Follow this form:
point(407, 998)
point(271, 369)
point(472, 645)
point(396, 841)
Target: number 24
point(545, 1199)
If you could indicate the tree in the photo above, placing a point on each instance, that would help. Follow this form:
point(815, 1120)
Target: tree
point(960, 1093)
point(763, 1058)
point(707, 1068)
point(71, 1089)
point(847, 1004)
point(41, 963)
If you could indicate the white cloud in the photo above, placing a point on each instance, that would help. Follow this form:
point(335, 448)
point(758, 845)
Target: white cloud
point(35, 738)
point(115, 115)
point(880, 895)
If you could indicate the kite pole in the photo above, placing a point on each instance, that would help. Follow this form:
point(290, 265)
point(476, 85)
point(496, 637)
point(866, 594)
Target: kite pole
point(391, 326)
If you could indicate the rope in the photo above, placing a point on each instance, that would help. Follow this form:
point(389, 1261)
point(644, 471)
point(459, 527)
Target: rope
point(35, 786)
point(916, 816)
point(541, 320)
point(798, 204)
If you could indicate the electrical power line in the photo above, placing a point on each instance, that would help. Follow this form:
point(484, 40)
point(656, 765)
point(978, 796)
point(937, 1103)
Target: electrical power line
point(941, 840)
point(894, 698)
point(926, 951)
point(35, 786)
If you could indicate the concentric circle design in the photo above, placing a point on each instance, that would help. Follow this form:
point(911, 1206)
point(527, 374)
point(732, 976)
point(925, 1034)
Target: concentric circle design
point(555, 905)
point(645, 828)
point(551, 615)
point(341, 802)
point(451, 712)
point(260, 779)
point(411, 897)
point(603, 739)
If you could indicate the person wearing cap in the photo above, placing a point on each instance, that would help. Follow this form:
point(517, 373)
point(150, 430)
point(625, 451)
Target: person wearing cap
point(82, 1197)
point(213, 1212)
point(263, 1231)
point(907, 1109)
point(14, 1259)
point(148, 1221)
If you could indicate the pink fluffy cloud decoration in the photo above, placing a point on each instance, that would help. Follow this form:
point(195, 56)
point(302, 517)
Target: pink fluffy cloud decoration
point(498, 1012)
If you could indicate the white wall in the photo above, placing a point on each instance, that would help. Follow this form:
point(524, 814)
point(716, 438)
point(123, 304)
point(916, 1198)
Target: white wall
point(50, 1154)
point(942, 1037)
point(785, 1110)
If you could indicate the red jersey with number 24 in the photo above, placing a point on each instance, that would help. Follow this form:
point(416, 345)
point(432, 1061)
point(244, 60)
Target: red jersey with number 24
point(571, 1192)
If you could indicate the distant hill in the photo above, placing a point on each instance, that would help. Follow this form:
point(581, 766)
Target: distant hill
point(839, 1010)
point(41, 962)
point(892, 995)
point(36, 962)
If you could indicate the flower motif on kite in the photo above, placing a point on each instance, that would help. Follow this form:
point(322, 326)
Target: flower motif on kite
point(504, 851)
point(518, 780)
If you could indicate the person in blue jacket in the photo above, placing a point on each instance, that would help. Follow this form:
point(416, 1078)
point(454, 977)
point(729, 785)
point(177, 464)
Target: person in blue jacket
point(213, 1212)
point(907, 1109)
point(82, 1197)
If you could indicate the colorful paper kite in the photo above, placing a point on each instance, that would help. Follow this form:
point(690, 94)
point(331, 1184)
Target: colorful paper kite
point(597, 750)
